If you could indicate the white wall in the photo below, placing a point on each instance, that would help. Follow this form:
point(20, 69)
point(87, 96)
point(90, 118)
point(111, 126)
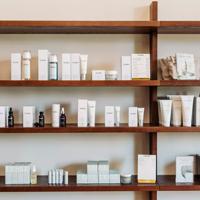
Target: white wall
point(71, 151)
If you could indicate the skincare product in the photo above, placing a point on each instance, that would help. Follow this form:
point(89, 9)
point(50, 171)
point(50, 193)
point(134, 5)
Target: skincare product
point(66, 66)
point(66, 177)
point(28, 116)
point(104, 179)
point(141, 66)
point(141, 116)
point(93, 179)
point(81, 177)
point(43, 62)
point(185, 169)
point(146, 168)
point(92, 110)
point(26, 65)
point(55, 176)
point(196, 111)
point(92, 167)
point(103, 167)
point(10, 118)
point(84, 63)
point(53, 67)
point(82, 113)
point(117, 116)
point(109, 116)
point(50, 177)
point(41, 119)
point(56, 115)
point(16, 66)
point(75, 66)
point(61, 175)
point(132, 117)
point(33, 175)
point(98, 75)
point(114, 177)
point(176, 110)
point(126, 67)
point(185, 66)
point(164, 107)
point(63, 118)
point(187, 108)
point(126, 179)
point(2, 116)
point(111, 75)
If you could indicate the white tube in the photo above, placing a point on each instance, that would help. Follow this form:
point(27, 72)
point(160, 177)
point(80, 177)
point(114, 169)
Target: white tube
point(92, 109)
point(165, 107)
point(117, 109)
point(141, 116)
point(56, 115)
point(176, 110)
point(84, 61)
point(187, 107)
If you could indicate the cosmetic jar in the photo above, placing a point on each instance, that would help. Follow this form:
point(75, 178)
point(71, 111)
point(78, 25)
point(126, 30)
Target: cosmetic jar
point(126, 178)
point(111, 75)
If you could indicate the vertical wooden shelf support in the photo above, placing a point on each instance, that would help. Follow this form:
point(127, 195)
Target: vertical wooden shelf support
point(153, 90)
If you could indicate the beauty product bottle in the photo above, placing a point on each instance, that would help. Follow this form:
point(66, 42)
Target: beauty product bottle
point(33, 175)
point(41, 119)
point(10, 118)
point(62, 118)
point(26, 65)
point(53, 67)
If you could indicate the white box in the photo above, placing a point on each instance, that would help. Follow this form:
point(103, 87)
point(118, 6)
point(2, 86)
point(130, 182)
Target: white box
point(103, 167)
point(81, 177)
point(114, 177)
point(93, 179)
point(141, 66)
point(43, 62)
point(66, 178)
point(196, 111)
point(98, 75)
point(104, 179)
point(66, 66)
point(28, 116)
point(146, 168)
point(82, 113)
point(126, 68)
point(75, 66)
point(92, 167)
point(16, 66)
point(185, 169)
point(132, 117)
point(3, 120)
point(109, 116)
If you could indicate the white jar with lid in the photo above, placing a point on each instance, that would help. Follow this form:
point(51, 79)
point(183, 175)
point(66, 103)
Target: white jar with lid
point(53, 67)
point(111, 75)
point(26, 65)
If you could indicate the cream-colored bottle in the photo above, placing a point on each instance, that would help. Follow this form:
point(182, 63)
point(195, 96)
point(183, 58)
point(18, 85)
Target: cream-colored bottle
point(33, 175)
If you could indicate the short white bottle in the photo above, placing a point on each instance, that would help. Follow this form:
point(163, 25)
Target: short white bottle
point(33, 175)
point(26, 65)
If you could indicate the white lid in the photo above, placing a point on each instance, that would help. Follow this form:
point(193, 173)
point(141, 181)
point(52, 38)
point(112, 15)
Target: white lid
point(126, 175)
point(26, 54)
point(62, 110)
point(111, 72)
point(53, 58)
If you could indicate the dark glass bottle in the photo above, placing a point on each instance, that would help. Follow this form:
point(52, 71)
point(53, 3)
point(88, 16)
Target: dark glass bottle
point(10, 118)
point(62, 118)
point(41, 119)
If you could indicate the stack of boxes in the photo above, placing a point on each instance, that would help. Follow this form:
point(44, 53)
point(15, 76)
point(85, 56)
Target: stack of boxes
point(98, 172)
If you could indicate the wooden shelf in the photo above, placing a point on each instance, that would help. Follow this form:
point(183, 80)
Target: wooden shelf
point(77, 27)
point(179, 27)
point(174, 83)
point(43, 186)
point(88, 83)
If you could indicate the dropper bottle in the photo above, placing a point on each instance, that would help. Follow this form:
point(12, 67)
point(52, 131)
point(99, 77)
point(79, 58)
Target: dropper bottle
point(62, 118)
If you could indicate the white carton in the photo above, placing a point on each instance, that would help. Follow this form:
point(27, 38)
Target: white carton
point(2, 116)
point(82, 113)
point(28, 116)
point(132, 117)
point(93, 179)
point(92, 167)
point(114, 177)
point(196, 111)
point(103, 167)
point(66, 66)
point(98, 75)
point(16, 66)
point(146, 168)
point(81, 177)
point(43, 67)
point(75, 66)
point(109, 116)
point(126, 68)
point(104, 178)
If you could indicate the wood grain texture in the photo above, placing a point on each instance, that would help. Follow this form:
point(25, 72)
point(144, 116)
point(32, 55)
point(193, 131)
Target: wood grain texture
point(174, 83)
point(77, 27)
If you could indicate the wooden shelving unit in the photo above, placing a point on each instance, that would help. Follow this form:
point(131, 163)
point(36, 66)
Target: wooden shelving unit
point(152, 28)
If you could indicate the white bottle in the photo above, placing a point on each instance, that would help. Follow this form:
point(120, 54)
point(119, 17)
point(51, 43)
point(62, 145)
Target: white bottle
point(33, 175)
point(26, 65)
point(56, 115)
point(53, 67)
